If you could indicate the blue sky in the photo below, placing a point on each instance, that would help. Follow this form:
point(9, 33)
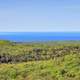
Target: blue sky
point(39, 15)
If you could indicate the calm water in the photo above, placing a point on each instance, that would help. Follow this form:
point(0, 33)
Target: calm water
point(39, 36)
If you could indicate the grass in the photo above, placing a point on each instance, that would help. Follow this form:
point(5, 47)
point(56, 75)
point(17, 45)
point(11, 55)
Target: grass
point(62, 62)
point(64, 68)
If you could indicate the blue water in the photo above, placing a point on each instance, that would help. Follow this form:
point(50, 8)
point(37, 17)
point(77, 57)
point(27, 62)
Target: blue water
point(39, 36)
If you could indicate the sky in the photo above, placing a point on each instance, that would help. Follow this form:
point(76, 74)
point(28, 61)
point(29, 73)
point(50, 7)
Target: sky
point(39, 15)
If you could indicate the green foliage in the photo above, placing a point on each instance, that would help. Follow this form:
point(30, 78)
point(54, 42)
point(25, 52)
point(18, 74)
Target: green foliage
point(12, 52)
point(4, 42)
point(65, 68)
point(40, 61)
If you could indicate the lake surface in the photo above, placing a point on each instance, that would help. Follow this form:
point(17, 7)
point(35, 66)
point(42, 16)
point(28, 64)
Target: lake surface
point(39, 36)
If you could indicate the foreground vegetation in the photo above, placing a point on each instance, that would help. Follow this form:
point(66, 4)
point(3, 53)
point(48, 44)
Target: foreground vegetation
point(58, 60)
